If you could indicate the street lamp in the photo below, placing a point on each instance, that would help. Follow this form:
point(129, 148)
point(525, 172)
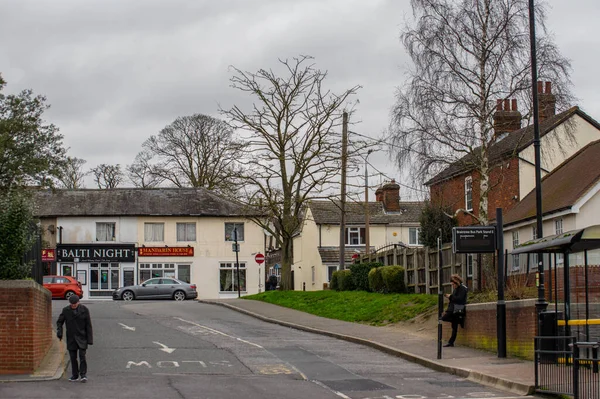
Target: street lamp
point(367, 240)
point(541, 302)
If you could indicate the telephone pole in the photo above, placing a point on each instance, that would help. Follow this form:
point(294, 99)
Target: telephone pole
point(342, 264)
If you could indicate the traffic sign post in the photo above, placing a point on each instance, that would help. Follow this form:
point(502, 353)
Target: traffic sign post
point(259, 258)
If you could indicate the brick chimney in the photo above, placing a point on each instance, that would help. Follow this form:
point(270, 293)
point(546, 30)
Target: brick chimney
point(389, 194)
point(546, 100)
point(507, 117)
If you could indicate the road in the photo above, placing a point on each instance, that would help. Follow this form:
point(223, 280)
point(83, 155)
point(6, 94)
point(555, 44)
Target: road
point(185, 350)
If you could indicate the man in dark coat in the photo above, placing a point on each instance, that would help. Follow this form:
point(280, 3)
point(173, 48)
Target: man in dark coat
point(79, 335)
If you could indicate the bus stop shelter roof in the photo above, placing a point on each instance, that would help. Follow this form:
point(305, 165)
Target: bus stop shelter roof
point(570, 241)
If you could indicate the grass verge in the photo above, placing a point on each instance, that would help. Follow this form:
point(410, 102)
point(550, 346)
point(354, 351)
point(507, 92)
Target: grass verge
point(355, 306)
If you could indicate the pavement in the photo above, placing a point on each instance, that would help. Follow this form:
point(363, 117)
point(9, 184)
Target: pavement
point(509, 374)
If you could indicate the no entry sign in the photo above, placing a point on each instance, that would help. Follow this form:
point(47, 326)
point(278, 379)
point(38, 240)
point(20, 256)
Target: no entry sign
point(259, 258)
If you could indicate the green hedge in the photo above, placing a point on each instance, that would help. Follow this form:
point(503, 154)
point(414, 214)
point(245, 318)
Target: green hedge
point(360, 274)
point(345, 281)
point(376, 280)
point(393, 279)
point(333, 284)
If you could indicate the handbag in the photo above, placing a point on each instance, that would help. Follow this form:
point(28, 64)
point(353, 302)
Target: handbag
point(459, 310)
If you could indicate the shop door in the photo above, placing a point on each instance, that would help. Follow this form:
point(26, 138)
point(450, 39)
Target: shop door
point(128, 278)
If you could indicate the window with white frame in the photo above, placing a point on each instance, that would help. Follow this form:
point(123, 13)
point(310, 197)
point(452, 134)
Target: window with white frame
point(355, 235)
point(469, 193)
point(154, 270)
point(469, 261)
point(186, 231)
point(105, 231)
point(312, 270)
point(154, 232)
point(413, 236)
point(558, 226)
point(229, 231)
point(515, 243)
point(228, 277)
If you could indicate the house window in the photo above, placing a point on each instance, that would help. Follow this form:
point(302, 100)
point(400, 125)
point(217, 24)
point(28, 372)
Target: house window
point(154, 231)
point(469, 193)
point(515, 242)
point(558, 226)
point(355, 235)
point(186, 231)
point(413, 236)
point(469, 261)
point(229, 230)
point(228, 278)
point(105, 231)
point(330, 270)
point(312, 270)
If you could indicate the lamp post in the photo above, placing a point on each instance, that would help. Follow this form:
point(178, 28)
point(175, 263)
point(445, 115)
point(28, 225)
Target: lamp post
point(367, 240)
point(541, 302)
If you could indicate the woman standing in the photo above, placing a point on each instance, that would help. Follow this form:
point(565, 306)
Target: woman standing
point(458, 299)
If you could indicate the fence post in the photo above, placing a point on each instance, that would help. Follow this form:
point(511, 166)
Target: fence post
point(427, 279)
point(575, 370)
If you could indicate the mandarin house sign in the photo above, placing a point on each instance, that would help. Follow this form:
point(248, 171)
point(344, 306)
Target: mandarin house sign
point(95, 253)
point(48, 255)
point(166, 251)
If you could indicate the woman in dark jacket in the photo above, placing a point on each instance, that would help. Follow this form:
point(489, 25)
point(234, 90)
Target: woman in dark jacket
point(458, 297)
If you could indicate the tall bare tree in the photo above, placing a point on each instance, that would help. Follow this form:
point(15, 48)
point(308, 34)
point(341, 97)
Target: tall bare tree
point(194, 151)
point(467, 54)
point(107, 176)
point(72, 173)
point(294, 144)
point(141, 171)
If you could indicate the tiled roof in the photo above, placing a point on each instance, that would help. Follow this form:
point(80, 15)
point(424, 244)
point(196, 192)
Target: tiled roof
point(563, 187)
point(328, 212)
point(512, 144)
point(135, 202)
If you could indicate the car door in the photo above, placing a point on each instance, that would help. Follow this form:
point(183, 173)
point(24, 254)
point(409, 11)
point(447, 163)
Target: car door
point(149, 289)
point(59, 286)
point(50, 286)
point(168, 287)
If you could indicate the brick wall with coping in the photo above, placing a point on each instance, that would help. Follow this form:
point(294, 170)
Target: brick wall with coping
point(480, 328)
point(25, 325)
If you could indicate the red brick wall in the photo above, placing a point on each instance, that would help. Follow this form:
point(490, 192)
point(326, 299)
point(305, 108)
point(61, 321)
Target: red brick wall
point(504, 183)
point(480, 328)
point(25, 325)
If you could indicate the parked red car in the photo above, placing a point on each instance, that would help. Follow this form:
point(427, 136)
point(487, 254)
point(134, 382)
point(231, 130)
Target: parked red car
point(63, 286)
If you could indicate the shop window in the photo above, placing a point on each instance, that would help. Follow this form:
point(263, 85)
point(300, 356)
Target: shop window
point(228, 278)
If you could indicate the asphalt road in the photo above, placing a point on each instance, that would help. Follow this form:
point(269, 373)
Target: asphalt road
point(185, 350)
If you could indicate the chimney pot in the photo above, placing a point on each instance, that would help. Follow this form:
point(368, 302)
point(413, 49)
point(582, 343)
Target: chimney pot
point(514, 104)
point(498, 105)
point(548, 87)
point(540, 87)
point(507, 105)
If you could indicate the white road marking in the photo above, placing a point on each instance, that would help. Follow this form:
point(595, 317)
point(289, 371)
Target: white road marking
point(143, 363)
point(219, 332)
point(195, 361)
point(127, 327)
point(341, 395)
point(164, 348)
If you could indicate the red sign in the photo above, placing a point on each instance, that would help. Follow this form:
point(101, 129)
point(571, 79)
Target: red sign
point(48, 255)
point(354, 256)
point(259, 258)
point(166, 251)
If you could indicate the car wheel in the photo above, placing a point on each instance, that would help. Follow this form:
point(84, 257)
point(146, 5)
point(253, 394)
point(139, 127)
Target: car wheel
point(179, 296)
point(128, 296)
point(69, 294)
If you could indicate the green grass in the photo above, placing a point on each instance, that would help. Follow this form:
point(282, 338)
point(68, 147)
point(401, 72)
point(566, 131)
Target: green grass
point(354, 306)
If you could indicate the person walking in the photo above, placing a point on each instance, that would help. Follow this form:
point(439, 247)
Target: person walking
point(79, 335)
point(455, 313)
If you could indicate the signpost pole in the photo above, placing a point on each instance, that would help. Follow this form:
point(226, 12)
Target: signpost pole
point(440, 297)
point(501, 306)
point(237, 262)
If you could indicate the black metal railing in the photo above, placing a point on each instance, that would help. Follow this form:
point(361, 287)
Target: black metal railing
point(586, 379)
point(554, 365)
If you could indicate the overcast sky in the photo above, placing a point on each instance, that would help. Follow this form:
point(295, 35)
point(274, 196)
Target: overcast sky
point(117, 71)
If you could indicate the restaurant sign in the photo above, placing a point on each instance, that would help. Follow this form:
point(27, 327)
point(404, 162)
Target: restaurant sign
point(166, 251)
point(95, 252)
point(48, 255)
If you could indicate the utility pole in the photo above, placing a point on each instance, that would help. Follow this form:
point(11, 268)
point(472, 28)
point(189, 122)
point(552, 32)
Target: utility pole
point(342, 264)
point(367, 221)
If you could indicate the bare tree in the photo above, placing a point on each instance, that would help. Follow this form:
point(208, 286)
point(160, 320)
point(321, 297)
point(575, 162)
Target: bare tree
point(294, 142)
point(141, 171)
point(195, 151)
point(467, 54)
point(107, 176)
point(72, 173)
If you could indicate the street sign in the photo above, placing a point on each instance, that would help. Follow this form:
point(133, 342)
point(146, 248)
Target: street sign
point(235, 247)
point(259, 258)
point(475, 239)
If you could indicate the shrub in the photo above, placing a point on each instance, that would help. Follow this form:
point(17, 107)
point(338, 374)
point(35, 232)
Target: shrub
point(360, 275)
point(393, 278)
point(333, 284)
point(376, 280)
point(345, 282)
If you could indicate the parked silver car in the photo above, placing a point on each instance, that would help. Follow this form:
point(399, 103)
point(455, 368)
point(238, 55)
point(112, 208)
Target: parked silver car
point(157, 288)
